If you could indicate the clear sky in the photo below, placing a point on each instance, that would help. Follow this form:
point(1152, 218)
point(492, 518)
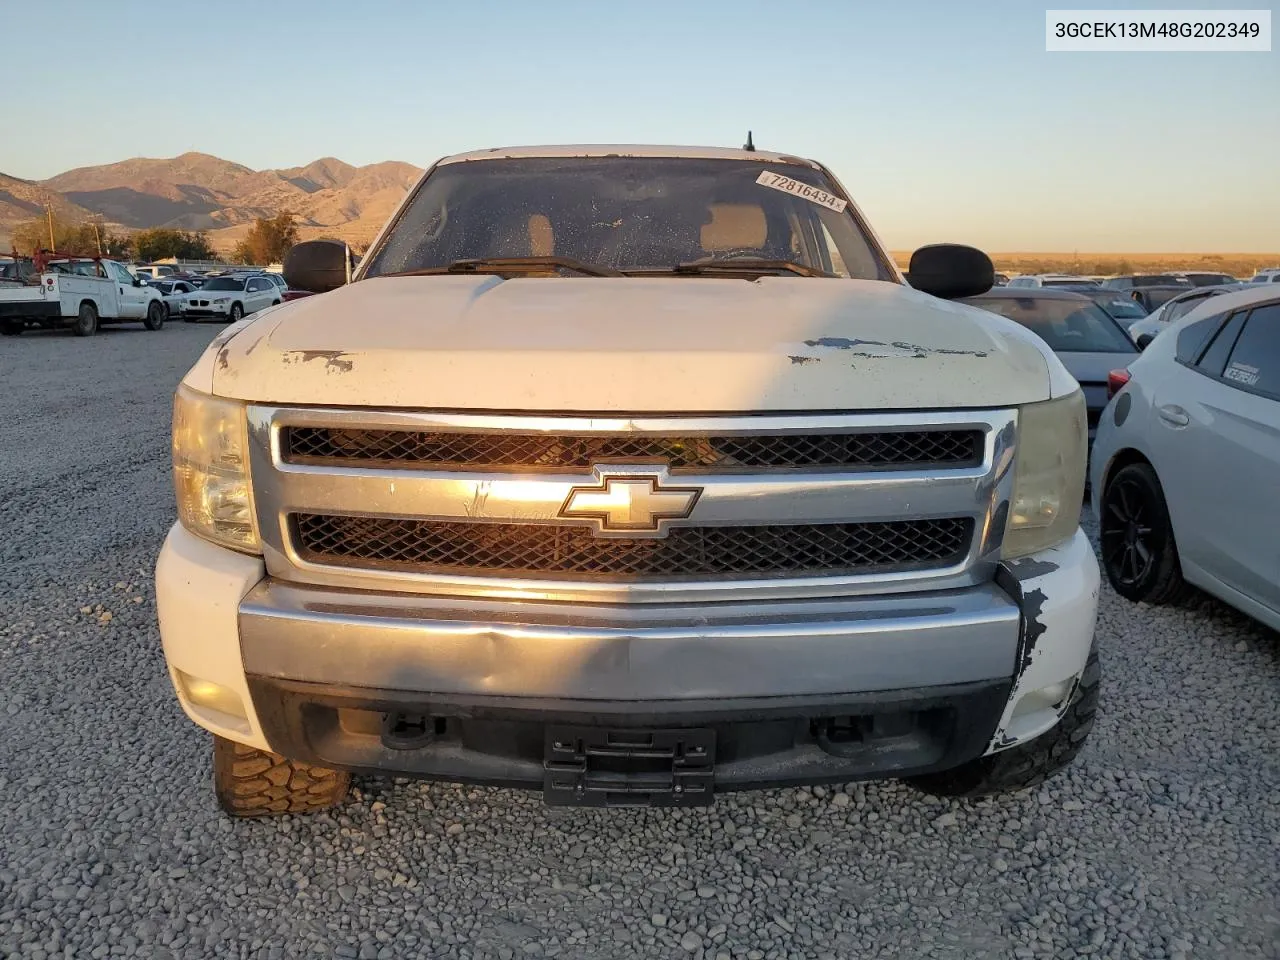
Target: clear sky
point(945, 120)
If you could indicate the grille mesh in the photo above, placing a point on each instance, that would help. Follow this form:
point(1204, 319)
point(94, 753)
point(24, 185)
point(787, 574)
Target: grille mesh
point(426, 546)
point(442, 450)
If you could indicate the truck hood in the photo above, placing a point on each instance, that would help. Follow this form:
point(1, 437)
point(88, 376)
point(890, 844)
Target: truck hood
point(630, 345)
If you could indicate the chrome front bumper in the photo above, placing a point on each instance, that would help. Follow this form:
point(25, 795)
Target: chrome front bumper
point(495, 672)
point(683, 652)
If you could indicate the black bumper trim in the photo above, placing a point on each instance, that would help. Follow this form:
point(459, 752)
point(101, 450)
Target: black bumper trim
point(30, 310)
point(761, 742)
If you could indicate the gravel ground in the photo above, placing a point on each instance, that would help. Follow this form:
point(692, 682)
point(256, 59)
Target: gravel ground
point(1162, 841)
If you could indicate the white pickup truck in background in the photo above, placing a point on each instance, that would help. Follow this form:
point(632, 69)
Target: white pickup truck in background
point(79, 292)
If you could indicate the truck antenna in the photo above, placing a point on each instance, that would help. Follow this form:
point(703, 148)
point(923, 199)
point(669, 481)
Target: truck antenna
point(749, 145)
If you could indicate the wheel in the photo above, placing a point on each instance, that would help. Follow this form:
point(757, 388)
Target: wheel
point(236, 313)
point(1138, 550)
point(11, 328)
point(156, 315)
point(254, 783)
point(168, 312)
point(1028, 764)
point(86, 324)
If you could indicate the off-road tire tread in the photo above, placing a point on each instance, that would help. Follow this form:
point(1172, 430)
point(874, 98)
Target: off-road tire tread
point(256, 783)
point(1029, 764)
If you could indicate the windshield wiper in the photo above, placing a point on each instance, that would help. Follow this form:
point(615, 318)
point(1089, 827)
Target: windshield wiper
point(500, 264)
point(748, 265)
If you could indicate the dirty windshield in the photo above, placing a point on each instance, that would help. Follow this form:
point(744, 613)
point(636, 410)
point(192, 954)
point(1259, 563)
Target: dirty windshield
point(630, 214)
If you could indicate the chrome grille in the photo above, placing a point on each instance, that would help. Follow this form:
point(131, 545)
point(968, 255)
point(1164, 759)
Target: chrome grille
point(790, 506)
point(461, 451)
point(425, 546)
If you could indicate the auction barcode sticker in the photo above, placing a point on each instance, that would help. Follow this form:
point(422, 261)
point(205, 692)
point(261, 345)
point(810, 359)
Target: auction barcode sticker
point(787, 185)
point(1139, 31)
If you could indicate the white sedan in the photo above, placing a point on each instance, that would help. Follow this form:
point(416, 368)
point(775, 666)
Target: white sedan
point(229, 298)
point(1186, 458)
point(172, 292)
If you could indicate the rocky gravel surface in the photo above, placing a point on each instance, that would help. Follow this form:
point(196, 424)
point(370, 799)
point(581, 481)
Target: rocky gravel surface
point(1162, 841)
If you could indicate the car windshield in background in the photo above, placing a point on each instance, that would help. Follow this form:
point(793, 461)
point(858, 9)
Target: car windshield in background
point(1160, 280)
point(1123, 307)
point(628, 213)
point(224, 283)
point(1069, 284)
point(1069, 326)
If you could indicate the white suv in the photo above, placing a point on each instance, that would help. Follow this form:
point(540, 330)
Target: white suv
point(230, 298)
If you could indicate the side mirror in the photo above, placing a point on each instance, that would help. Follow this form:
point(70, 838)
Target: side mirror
point(951, 271)
point(137, 282)
point(317, 266)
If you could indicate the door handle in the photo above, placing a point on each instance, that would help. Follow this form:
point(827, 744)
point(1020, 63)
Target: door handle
point(1174, 415)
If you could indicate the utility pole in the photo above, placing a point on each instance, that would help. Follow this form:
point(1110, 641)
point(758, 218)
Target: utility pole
point(97, 237)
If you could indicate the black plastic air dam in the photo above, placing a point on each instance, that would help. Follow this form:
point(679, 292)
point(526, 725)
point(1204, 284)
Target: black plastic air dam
point(760, 742)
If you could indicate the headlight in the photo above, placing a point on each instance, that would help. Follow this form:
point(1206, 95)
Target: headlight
point(1048, 475)
point(211, 470)
point(221, 299)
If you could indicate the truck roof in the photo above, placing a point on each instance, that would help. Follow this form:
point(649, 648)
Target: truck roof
point(626, 150)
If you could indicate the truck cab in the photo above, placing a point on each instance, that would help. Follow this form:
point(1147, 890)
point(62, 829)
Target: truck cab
point(630, 475)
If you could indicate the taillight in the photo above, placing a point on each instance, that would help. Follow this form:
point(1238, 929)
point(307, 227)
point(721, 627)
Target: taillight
point(1116, 379)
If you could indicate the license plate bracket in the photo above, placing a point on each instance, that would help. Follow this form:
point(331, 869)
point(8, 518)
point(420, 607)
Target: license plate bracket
point(610, 767)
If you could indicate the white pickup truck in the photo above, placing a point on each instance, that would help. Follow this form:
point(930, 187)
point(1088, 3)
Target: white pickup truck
point(82, 293)
point(629, 475)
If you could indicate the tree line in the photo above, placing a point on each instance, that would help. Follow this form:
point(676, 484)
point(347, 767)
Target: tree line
point(268, 240)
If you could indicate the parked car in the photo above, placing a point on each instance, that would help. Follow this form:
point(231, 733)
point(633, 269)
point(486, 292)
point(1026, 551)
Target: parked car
point(82, 293)
point(1187, 456)
point(598, 518)
point(1145, 330)
point(1124, 310)
point(173, 292)
point(1137, 280)
point(1053, 280)
point(1206, 279)
point(1266, 276)
point(1086, 339)
point(1153, 297)
point(278, 280)
point(229, 298)
point(1000, 280)
point(153, 271)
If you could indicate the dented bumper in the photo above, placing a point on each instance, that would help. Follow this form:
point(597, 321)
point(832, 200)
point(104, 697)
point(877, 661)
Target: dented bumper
point(797, 691)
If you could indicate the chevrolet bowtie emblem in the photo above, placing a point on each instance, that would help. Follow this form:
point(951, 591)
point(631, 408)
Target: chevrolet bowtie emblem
point(630, 503)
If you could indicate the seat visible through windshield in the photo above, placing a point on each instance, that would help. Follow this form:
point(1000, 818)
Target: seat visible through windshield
point(624, 213)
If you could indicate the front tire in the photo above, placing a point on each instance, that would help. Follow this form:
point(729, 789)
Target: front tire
point(1028, 764)
point(255, 783)
point(235, 313)
point(1139, 553)
point(155, 317)
point(86, 324)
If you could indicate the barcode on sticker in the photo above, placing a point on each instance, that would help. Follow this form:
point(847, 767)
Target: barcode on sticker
point(794, 187)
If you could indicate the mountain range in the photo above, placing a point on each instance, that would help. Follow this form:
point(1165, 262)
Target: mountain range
point(197, 191)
